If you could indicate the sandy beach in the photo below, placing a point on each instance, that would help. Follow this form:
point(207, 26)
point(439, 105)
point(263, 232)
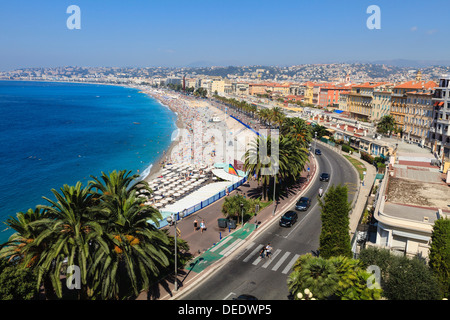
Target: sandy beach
point(200, 140)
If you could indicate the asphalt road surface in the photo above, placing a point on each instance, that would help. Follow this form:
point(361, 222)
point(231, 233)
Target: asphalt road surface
point(266, 278)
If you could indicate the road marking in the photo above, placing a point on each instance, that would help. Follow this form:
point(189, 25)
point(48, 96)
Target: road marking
point(290, 264)
point(253, 253)
point(265, 265)
point(245, 250)
point(221, 244)
point(284, 257)
point(230, 249)
point(231, 293)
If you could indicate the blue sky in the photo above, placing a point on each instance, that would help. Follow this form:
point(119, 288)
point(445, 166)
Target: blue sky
point(179, 33)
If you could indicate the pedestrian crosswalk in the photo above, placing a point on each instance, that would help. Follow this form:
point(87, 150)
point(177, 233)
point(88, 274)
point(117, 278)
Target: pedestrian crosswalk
point(274, 262)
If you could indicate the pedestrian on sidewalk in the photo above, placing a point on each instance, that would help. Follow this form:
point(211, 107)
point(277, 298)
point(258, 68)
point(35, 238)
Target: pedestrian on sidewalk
point(268, 250)
point(202, 226)
point(195, 224)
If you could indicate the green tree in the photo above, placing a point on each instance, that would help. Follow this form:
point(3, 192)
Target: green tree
point(334, 278)
point(386, 124)
point(232, 207)
point(16, 282)
point(335, 237)
point(440, 255)
point(320, 130)
point(317, 274)
point(298, 129)
point(402, 278)
point(71, 228)
point(136, 252)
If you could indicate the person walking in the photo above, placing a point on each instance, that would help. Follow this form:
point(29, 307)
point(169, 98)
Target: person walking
point(202, 226)
point(262, 253)
point(195, 224)
point(268, 250)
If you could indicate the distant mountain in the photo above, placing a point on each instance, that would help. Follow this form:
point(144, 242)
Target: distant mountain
point(405, 63)
point(200, 64)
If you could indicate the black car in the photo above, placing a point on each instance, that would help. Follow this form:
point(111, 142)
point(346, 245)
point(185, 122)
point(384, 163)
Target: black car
point(288, 219)
point(325, 177)
point(303, 204)
point(318, 152)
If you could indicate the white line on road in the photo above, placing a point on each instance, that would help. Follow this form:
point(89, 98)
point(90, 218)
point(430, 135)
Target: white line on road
point(253, 252)
point(290, 264)
point(269, 260)
point(231, 293)
point(284, 257)
point(245, 250)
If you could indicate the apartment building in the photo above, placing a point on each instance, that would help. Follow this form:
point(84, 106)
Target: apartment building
point(381, 103)
point(329, 94)
point(361, 103)
point(439, 131)
point(419, 116)
point(240, 88)
point(309, 87)
point(399, 107)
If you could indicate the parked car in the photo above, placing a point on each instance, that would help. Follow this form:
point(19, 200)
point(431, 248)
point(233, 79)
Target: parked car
point(318, 152)
point(288, 219)
point(303, 204)
point(324, 177)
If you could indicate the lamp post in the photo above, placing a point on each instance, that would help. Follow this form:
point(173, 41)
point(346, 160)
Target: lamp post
point(274, 188)
point(315, 141)
point(242, 213)
point(170, 220)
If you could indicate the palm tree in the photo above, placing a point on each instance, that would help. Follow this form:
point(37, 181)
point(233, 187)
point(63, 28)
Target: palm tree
point(232, 206)
point(259, 161)
point(299, 129)
point(136, 250)
point(277, 116)
point(317, 274)
point(19, 246)
point(70, 231)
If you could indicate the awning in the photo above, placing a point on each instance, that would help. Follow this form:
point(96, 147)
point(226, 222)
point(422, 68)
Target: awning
point(338, 111)
point(441, 103)
point(410, 235)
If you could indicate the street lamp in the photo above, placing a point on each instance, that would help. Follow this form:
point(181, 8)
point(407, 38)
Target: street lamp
point(315, 141)
point(170, 220)
point(274, 188)
point(242, 213)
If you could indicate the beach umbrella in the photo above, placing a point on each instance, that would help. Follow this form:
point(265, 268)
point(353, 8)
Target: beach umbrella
point(177, 194)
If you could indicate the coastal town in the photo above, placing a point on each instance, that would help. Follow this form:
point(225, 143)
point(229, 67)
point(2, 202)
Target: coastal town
point(389, 123)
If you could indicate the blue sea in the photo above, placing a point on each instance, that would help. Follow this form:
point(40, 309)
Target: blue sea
point(53, 134)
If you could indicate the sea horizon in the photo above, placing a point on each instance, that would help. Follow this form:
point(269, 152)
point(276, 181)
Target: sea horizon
point(56, 133)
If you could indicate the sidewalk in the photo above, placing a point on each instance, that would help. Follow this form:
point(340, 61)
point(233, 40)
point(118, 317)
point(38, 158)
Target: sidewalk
point(204, 246)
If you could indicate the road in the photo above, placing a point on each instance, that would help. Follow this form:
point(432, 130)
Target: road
point(266, 278)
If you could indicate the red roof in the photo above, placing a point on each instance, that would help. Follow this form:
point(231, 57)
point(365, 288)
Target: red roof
point(416, 85)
